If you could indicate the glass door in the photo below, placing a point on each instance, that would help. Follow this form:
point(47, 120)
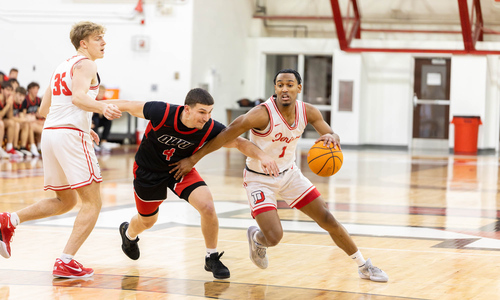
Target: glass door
point(431, 103)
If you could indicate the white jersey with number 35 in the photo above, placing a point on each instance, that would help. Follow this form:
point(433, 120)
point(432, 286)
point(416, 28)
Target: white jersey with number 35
point(279, 139)
point(62, 111)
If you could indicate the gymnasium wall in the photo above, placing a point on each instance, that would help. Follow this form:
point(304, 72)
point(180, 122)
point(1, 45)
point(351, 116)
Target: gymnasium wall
point(216, 44)
point(220, 32)
point(35, 39)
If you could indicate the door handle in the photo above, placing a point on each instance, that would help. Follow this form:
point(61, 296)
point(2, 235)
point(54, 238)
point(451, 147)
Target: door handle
point(417, 101)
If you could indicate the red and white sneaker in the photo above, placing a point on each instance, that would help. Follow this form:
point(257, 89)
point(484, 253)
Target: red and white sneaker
point(6, 234)
point(73, 269)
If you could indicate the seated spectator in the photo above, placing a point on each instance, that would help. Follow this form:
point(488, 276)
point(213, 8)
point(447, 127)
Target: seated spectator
point(14, 83)
point(11, 127)
point(32, 104)
point(13, 73)
point(5, 107)
point(19, 116)
point(98, 120)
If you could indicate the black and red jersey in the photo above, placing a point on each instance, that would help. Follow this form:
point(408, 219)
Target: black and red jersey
point(167, 140)
point(32, 106)
point(17, 108)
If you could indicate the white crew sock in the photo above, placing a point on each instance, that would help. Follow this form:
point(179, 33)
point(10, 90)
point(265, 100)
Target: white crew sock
point(8, 147)
point(129, 237)
point(14, 219)
point(254, 238)
point(210, 251)
point(66, 258)
point(358, 257)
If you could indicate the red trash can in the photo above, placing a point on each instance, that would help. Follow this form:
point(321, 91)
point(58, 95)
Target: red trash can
point(466, 130)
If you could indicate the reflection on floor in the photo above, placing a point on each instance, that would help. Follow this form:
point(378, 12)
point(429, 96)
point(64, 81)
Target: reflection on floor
point(430, 220)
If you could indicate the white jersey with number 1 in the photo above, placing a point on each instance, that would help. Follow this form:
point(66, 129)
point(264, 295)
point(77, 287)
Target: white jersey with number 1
point(62, 111)
point(279, 139)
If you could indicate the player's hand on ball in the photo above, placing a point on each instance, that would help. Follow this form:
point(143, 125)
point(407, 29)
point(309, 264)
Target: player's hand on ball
point(330, 138)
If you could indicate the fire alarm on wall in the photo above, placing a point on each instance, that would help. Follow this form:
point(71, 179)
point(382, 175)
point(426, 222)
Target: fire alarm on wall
point(140, 43)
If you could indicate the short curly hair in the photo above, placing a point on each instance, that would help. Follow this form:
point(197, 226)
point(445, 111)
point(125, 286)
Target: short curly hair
point(288, 71)
point(83, 30)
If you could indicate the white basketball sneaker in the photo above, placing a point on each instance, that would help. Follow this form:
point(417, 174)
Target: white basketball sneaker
point(257, 252)
point(4, 154)
point(369, 271)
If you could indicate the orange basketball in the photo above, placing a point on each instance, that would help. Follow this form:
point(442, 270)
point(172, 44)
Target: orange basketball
point(323, 160)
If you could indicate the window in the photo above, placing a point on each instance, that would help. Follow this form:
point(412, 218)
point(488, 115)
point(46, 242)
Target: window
point(317, 86)
point(274, 63)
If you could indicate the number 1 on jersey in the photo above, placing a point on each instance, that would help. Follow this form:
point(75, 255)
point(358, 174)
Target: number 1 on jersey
point(283, 153)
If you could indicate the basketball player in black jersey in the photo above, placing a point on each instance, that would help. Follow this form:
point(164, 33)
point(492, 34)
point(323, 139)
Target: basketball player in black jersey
point(173, 133)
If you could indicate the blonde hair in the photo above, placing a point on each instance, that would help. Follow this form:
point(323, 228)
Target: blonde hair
point(83, 30)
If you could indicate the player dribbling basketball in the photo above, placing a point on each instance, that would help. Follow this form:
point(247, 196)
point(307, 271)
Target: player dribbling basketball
point(275, 126)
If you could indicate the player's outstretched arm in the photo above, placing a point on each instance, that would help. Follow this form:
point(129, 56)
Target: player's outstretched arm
point(315, 118)
point(251, 150)
point(257, 117)
point(135, 108)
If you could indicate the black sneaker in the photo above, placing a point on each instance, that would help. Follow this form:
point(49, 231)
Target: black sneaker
point(130, 248)
point(214, 265)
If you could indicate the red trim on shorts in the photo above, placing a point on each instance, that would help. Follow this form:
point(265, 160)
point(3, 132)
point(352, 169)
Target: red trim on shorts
point(146, 207)
point(75, 186)
point(165, 115)
point(89, 162)
point(308, 198)
point(72, 128)
point(56, 188)
point(187, 180)
point(82, 184)
point(262, 210)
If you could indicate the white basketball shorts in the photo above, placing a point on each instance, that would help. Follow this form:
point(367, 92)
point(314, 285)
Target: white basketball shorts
point(291, 186)
point(69, 159)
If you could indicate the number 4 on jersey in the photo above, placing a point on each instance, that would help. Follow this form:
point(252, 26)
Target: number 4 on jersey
point(168, 153)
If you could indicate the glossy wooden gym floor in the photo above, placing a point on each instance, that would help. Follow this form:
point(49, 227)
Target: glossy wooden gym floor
point(430, 220)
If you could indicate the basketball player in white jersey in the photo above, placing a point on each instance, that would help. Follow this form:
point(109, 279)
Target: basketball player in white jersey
point(69, 162)
point(275, 126)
